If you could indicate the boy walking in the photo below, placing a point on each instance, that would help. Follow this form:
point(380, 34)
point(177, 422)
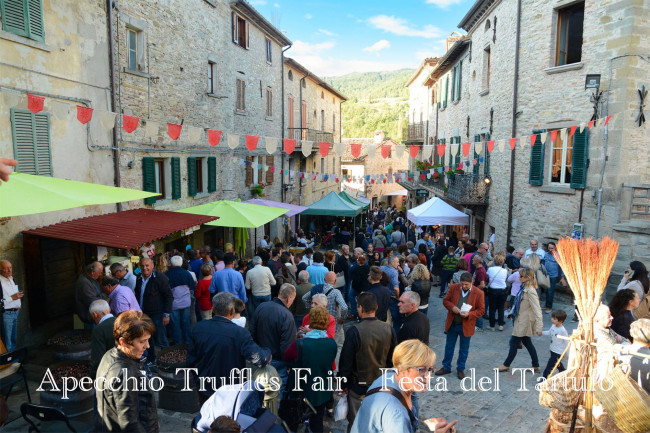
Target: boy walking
point(448, 263)
point(557, 344)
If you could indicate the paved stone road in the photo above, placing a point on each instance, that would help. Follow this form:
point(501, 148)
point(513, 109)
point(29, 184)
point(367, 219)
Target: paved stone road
point(507, 410)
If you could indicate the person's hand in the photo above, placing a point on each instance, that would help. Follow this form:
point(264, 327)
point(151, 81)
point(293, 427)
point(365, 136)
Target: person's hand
point(464, 314)
point(440, 425)
point(342, 393)
point(626, 275)
point(563, 281)
point(539, 334)
point(455, 310)
point(341, 321)
point(17, 296)
point(5, 170)
point(165, 320)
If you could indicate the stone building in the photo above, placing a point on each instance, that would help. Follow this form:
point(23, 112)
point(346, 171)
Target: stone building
point(364, 165)
point(499, 82)
point(420, 104)
point(312, 112)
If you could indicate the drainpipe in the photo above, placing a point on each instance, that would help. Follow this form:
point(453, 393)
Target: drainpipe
point(283, 193)
point(111, 59)
point(301, 123)
point(514, 124)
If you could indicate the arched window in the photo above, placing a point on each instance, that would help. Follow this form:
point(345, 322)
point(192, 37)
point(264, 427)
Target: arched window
point(487, 25)
point(290, 74)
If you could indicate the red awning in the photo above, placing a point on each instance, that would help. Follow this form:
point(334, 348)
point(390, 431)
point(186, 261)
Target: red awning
point(127, 229)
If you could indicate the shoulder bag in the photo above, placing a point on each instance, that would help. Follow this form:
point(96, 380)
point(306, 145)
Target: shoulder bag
point(543, 280)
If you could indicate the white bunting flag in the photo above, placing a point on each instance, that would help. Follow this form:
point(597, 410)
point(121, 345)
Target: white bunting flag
point(399, 151)
point(151, 129)
point(59, 109)
point(371, 148)
point(427, 150)
point(233, 140)
point(271, 144)
point(563, 134)
point(582, 127)
point(106, 119)
point(453, 149)
point(339, 148)
point(542, 137)
point(478, 147)
point(12, 98)
point(600, 122)
point(307, 145)
point(613, 119)
point(501, 144)
point(193, 134)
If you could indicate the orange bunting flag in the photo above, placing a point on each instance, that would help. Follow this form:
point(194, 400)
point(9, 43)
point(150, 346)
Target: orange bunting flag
point(591, 124)
point(533, 138)
point(355, 148)
point(385, 150)
point(607, 120)
point(413, 150)
point(35, 103)
point(490, 146)
point(323, 148)
point(466, 147)
point(174, 130)
point(214, 137)
point(289, 145)
point(84, 114)
point(251, 142)
point(130, 123)
point(441, 150)
point(513, 143)
point(553, 135)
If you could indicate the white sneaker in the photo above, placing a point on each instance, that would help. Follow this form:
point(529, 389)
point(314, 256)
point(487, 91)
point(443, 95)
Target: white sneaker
point(500, 328)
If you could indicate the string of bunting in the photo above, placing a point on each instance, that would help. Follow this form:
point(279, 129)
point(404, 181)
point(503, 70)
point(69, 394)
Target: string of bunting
point(195, 135)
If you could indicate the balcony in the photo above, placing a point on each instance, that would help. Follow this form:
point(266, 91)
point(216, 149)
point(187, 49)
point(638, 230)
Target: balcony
point(463, 189)
point(413, 132)
point(308, 134)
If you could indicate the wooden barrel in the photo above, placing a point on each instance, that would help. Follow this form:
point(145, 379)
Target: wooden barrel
point(71, 345)
point(172, 396)
point(77, 402)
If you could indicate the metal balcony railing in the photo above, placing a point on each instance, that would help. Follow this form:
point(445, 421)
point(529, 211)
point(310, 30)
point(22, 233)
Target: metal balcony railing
point(413, 132)
point(310, 134)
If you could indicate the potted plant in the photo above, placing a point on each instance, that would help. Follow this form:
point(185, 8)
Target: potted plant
point(258, 190)
point(451, 174)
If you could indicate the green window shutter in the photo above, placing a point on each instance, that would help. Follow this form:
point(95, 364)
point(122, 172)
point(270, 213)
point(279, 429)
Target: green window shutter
point(459, 79)
point(35, 20)
point(486, 158)
point(460, 152)
point(176, 177)
point(444, 96)
point(191, 176)
point(536, 173)
point(14, 17)
point(453, 84)
point(149, 178)
point(31, 142)
point(212, 174)
point(579, 159)
point(477, 166)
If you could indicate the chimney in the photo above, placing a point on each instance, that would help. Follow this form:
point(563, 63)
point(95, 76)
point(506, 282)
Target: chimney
point(379, 137)
point(452, 39)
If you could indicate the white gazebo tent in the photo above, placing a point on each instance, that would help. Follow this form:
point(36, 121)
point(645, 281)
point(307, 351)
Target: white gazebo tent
point(437, 212)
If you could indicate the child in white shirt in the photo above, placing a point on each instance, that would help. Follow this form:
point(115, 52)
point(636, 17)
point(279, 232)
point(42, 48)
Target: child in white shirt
point(239, 308)
point(557, 344)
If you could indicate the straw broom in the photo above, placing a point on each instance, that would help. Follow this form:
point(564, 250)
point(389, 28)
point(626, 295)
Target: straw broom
point(586, 265)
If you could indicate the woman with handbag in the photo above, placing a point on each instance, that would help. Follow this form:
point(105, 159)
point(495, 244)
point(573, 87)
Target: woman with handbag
point(315, 352)
point(528, 320)
point(420, 283)
point(497, 275)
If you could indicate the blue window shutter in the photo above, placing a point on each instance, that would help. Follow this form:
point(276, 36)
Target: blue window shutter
point(149, 178)
point(176, 177)
point(579, 159)
point(212, 174)
point(536, 173)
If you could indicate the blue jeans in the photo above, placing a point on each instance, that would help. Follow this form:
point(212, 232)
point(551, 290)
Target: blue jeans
point(551, 363)
point(353, 294)
point(282, 372)
point(528, 344)
point(445, 279)
point(346, 290)
point(479, 321)
point(10, 321)
point(415, 408)
point(257, 300)
point(180, 325)
point(454, 332)
point(550, 293)
point(160, 337)
point(394, 312)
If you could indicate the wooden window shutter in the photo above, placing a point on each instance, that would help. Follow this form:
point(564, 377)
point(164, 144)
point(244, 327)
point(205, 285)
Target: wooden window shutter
point(477, 166)
point(453, 84)
point(580, 159)
point(176, 177)
point(270, 162)
point(149, 178)
point(459, 79)
point(14, 17)
point(248, 42)
point(235, 28)
point(212, 174)
point(249, 171)
point(35, 20)
point(444, 100)
point(460, 152)
point(31, 142)
point(486, 158)
point(191, 176)
point(536, 173)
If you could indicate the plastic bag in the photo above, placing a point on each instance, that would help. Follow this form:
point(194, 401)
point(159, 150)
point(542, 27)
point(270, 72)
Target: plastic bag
point(341, 409)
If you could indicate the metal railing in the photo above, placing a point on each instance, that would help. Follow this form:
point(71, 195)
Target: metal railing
point(413, 131)
point(467, 189)
point(310, 134)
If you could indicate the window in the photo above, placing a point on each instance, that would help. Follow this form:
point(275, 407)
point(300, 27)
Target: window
point(290, 75)
point(333, 122)
point(433, 96)
point(135, 49)
point(212, 77)
point(322, 120)
point(159, 177)
point(322, 165)
point(23, 18)
point(269, 103)
point(453, 84)
point(240, 31)
point(199, 175)
point(31, 140)
point(569, 34)
point(241, 95)
point(292, 173)
point(333, 165)
point(561, 156)
point(269, 52)
point(486, 68)
point(445, 91)
point(290, 108)
point(156, 177)
point(322, 95)
point(304, 83)
point(459, 75)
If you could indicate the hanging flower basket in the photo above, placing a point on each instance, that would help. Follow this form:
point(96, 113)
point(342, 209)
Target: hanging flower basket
point(258, 190)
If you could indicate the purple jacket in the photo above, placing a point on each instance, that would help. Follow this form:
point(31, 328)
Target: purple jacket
point(122, 299)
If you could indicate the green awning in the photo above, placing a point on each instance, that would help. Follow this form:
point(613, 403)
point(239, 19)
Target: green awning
point(27, 194)
point(333, 205)
point(347, 197)
point(236, 214)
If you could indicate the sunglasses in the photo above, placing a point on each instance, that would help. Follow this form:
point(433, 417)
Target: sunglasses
point(423, 371)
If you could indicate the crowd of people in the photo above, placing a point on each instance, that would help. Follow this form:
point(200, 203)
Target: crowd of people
point(282, 312)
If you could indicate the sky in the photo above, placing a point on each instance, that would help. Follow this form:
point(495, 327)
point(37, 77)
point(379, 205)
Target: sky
point(336, 37)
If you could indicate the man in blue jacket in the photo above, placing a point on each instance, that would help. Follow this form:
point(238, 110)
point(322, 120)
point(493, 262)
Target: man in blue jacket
point(217, 346)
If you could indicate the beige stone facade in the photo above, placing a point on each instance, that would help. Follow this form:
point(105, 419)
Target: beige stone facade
point(551, 95)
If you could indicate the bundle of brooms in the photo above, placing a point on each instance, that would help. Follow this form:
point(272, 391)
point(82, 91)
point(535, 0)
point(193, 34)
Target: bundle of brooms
point(586, 265)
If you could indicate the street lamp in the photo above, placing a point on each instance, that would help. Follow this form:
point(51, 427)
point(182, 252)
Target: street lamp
point(487, 180)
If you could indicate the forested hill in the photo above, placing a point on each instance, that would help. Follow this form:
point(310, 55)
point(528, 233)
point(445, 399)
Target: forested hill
point(377, 100)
